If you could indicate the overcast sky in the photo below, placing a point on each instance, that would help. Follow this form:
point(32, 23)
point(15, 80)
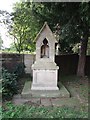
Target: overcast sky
point(6, 5)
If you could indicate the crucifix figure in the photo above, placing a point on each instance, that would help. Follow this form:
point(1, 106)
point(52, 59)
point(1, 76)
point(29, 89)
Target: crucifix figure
point(45, 49)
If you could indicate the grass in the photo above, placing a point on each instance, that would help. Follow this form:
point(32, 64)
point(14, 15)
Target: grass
point(25, 111)
point(78, 88)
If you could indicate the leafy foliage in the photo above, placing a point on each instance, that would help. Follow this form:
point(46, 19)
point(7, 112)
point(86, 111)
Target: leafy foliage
point(23, 27)
point(10, 80)
point(68, 22)
point(71, 24)
point(25, 111)
point(61, 17)
point(9, 84)
point(88, 47)
point(0, 112)
point(19, 69)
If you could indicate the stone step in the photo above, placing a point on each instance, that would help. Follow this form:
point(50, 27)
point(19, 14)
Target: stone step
point(28, 93)
point(46, 102)
point(53, 102)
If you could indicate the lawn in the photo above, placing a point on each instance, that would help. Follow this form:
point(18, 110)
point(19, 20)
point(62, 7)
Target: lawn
point(78, 87)
point(25, 111)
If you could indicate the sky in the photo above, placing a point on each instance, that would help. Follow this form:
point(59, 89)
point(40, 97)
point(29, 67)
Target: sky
point(6, 5)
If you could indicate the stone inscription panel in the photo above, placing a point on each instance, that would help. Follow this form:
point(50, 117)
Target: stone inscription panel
point(46, 77)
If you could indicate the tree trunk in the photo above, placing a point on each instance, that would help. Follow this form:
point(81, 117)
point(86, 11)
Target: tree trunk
point(82, 55)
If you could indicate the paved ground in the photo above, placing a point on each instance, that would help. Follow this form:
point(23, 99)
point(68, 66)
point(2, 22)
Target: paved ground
point(28, 93)
point(77, 88)
point(70, 102)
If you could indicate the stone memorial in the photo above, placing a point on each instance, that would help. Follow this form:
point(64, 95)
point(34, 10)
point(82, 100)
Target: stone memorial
point(45, 69)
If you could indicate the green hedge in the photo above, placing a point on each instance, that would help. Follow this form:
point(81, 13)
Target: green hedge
point(9, 84)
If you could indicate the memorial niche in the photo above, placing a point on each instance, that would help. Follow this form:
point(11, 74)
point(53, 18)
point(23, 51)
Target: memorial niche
point(44, 68)
point(45, 49)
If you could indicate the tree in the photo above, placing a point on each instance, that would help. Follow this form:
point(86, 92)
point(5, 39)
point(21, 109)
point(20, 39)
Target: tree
point(29, 17)
point(24, 27)
point(88, 47)
point(74, 24)
point(68, 21)
point(62, 21)
point(85, 24)
point(1, 42)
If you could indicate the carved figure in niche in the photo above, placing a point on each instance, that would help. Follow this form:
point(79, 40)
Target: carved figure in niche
point(45, 49)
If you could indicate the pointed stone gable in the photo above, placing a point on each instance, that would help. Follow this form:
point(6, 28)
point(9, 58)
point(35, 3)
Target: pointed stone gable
point(45, 30)
point(45, 33)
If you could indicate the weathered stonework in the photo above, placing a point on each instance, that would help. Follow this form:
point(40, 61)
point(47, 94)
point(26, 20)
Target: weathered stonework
point(44, 68)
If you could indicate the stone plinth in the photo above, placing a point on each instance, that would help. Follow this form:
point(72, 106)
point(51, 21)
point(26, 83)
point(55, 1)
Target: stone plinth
point(44, 75)
point(27, 93)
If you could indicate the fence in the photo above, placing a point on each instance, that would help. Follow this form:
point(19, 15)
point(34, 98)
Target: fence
point(10, 61)
point(67, 63)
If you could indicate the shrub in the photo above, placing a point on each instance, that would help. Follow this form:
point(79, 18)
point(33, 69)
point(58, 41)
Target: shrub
point(19, 69)
point(9, 84)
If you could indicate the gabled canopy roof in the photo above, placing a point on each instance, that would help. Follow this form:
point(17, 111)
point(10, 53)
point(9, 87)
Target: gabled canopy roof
point(45, 26)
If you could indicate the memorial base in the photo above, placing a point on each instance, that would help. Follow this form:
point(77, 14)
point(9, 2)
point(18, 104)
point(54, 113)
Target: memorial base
point(44, 80)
